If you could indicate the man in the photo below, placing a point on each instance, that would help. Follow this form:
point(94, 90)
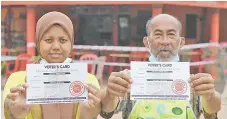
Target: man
point(163, 41)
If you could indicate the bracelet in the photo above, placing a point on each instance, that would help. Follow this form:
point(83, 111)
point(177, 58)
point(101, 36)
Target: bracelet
point(108, 115)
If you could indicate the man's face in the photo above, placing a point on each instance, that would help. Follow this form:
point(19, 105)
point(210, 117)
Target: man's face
point(164, 39)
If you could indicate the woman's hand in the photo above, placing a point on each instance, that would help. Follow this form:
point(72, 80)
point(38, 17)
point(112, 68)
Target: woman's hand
point(95, 96)
point(16, 101)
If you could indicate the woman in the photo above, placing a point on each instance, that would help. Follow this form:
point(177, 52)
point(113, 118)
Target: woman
point(54, 42)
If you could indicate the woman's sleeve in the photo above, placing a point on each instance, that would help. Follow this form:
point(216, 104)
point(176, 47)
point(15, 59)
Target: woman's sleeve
point(13, 80)
point(93, 80)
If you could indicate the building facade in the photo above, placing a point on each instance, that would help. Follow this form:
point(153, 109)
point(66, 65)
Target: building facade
point(113, 23)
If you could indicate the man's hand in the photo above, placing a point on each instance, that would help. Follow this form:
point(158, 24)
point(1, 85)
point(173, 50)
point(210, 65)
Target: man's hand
point(118, 84)
point(203, 85)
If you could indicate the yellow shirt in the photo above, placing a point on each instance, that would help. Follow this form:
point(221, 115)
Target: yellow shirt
point(36, 112)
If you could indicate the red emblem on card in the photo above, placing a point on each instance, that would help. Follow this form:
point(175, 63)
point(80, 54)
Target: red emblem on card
point(179, 87)
point(76, 88)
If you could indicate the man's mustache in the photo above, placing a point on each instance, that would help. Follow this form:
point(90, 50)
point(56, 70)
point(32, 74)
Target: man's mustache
point(165, 48)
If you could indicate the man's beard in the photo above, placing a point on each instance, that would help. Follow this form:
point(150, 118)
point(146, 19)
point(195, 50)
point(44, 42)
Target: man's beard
point(165, 53)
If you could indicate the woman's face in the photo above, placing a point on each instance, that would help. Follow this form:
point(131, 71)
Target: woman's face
point(55, 45)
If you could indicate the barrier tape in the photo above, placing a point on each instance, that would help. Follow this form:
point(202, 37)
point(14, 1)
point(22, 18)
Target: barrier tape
point(143, 49)
point(128, 64)
point(31, 44)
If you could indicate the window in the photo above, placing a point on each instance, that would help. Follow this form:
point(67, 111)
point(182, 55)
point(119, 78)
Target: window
point(124, 30)
point(142, 17)
point(95, 30)
point(13, 27)
point(191, 26)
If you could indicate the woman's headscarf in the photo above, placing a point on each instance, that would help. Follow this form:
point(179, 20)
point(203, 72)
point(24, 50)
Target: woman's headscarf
point(50, 19)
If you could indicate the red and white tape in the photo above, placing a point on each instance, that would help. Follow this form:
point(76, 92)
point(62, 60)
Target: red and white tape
point(31, 44)
point(143, 49)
